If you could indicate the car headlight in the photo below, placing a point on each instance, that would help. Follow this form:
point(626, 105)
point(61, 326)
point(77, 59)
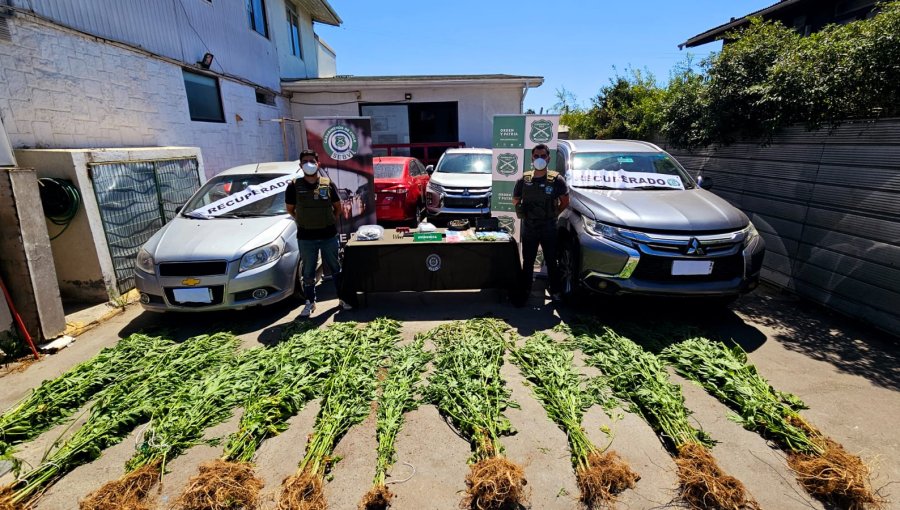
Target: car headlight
point(598, 229)
point(144, 261)
point(750, 234)
point(262, 255)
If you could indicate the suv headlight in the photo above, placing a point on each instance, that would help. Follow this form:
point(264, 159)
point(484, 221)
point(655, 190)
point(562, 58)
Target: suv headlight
point(262, 255)
point(751, 234)
point(598, 229)
point(144, 261)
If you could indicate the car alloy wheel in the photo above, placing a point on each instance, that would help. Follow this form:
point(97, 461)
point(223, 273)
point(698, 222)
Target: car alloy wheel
point(568, 267)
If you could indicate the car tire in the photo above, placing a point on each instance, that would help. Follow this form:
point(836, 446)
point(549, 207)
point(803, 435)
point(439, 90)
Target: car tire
point(298, 294)
point(570, 268)
point(420, 213)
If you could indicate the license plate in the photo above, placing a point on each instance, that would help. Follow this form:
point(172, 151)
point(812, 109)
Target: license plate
point(691, 267)
point(200, 295)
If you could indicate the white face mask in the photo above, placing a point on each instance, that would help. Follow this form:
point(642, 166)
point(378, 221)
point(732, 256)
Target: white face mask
point(309, 168)
point(539, 164)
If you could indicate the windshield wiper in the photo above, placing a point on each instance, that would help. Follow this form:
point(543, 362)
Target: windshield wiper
point(241, 214)
point(654, 187)
point(194, 215)
point(595, 186)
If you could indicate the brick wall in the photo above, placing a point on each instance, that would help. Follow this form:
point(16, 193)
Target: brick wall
point(67, 90)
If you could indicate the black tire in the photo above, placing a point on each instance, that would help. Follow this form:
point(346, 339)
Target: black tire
point(298, 294)
point(569, 269)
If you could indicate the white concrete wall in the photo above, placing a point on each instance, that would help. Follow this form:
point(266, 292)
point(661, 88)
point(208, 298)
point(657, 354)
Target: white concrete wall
point(179, 30)
point(327, 60)
point(292, 66)
point(66, 90)
point(84, 266)
point(477, 105)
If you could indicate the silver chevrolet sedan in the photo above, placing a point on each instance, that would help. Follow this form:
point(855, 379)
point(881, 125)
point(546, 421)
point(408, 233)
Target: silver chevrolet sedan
point(232, 245)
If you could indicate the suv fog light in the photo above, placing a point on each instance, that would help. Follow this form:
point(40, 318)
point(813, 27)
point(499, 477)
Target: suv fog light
point(601, 285)
point(260, 293)
point(145, 298)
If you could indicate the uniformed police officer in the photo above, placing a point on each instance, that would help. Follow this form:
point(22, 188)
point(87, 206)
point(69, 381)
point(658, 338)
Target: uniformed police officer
point(539, 197)
point(314, 203)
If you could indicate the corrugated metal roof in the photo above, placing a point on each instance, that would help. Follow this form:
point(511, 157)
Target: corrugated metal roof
point(321, 11)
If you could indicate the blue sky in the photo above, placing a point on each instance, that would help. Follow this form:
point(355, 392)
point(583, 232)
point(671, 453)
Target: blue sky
point(572, 44)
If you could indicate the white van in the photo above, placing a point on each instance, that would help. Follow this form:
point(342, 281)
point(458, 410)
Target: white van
point(460, 184)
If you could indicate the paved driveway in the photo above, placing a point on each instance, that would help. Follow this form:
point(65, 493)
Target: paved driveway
point(848, 375)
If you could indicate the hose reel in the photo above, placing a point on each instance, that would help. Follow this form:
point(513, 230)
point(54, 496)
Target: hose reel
point(60, 200)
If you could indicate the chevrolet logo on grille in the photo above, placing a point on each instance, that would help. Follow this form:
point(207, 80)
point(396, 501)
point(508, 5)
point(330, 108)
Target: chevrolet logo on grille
point(190, 282)
point(695, 248)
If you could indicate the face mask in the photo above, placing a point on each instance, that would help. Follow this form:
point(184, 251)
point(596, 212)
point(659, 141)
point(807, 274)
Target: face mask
point(539, 164)
point(309, 168)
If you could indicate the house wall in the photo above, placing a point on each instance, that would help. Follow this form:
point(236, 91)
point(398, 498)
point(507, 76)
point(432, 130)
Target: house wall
point(291, 66)
point(828, 205)
point(81, 256)
point(67, 90)
point(181, 31)
point(477, 105)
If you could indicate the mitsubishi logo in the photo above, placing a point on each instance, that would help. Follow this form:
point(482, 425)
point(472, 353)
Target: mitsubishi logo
point(465, 192)
point(695, 248)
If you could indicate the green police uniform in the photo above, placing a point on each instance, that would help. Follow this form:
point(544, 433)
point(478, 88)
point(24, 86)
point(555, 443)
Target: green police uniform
point(314, 208)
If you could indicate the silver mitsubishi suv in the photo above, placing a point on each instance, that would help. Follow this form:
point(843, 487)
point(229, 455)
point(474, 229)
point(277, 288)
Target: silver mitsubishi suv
point(637, 223)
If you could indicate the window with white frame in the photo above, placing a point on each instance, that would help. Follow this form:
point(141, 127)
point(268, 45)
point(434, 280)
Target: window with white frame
point(256, 13)
point(294, 30)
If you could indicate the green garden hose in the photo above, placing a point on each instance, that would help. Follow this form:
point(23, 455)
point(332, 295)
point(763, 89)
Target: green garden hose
point(61, 200)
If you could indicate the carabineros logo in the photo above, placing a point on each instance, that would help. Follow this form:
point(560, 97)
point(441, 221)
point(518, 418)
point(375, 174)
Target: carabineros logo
point(507, 222)
point(673, 182)
point(340, 142)
point(507, 164)
point(541, 131)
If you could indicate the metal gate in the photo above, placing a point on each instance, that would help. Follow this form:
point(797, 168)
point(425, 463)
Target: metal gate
point(136, 198)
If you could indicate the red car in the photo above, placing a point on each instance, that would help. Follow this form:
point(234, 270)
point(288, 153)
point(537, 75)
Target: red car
point(400, 184)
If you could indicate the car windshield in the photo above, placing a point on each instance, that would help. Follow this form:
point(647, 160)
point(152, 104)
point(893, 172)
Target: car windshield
point(633, 170)
point(465, 163)
point(223, 186)
point(388, 170)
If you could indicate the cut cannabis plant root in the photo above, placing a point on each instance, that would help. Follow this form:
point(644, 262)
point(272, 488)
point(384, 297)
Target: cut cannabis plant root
point(561, 390)
point(287, 379)
point(466, 387)
point(398, 397)
point(121, 406)
point(55, 400)
point(179, 424)
point(823, 467)
point(639, 379)
point(346, 398)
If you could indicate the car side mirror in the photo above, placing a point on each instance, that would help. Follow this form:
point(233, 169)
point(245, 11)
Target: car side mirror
point(429, 169)
point(705, 182)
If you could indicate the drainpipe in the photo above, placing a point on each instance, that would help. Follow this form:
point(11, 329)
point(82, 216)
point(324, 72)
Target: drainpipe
point(522, 102)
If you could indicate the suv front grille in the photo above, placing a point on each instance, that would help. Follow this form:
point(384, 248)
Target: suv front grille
point(659, 269)
point(193, 268)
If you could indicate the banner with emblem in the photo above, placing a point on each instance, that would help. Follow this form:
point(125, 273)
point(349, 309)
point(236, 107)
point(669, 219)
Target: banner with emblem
point(513, 138)
point(344, 145)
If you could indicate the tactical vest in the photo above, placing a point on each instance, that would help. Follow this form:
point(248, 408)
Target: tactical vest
point(314, 209)
point(538, 201)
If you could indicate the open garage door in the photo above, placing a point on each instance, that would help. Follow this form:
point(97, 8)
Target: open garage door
point(421, 130)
